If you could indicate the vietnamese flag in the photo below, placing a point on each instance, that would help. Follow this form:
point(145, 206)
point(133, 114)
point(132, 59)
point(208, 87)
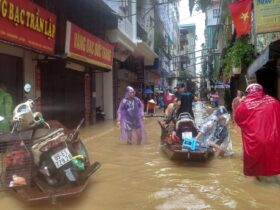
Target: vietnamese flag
point(241, 16)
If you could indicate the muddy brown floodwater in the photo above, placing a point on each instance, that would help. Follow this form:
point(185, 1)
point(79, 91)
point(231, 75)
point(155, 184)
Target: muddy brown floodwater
point(141, 177)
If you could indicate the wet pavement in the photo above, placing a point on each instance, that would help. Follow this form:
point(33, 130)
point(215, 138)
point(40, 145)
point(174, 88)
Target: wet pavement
point(136, 177)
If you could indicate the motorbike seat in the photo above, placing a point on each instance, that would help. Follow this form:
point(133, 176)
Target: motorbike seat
point(44, 133)
point(185, 123)
point(184, 120)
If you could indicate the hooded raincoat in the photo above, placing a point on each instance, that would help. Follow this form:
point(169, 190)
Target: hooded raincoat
point(258, 116)
point(130, 116)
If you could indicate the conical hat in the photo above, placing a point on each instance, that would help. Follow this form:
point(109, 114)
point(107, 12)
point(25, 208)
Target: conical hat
point(152, 101)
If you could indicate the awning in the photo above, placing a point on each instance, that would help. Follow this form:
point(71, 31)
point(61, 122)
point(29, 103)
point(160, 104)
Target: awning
point(124, 46)
point(145, 51)
point(270, 54)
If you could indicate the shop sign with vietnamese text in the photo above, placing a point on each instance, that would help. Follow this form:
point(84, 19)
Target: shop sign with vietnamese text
point(267, 16)
point(25, 23)
point(83, 46)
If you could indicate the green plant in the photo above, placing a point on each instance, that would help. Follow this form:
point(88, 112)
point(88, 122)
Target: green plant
point(241, 53)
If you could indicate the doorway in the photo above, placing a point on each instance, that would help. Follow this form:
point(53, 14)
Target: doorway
point(11, 72)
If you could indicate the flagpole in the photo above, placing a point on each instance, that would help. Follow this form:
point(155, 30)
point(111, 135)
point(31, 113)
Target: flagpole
point(254, 34)
point(254, 29)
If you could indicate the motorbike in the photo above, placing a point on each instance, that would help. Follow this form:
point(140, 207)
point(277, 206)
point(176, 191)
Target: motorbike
point(184, 148)
point(100, 115)
point(43, 160)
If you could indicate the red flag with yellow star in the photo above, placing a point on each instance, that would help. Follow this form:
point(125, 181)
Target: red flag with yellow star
point(241, 16)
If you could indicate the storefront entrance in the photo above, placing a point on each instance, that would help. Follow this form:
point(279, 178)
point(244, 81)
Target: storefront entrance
point(63, 93)
point(12, 76)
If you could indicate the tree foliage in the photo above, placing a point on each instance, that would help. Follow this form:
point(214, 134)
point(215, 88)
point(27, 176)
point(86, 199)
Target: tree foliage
point(240, 53)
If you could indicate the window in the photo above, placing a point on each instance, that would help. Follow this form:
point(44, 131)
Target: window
point(124, 4)
point(216, 13)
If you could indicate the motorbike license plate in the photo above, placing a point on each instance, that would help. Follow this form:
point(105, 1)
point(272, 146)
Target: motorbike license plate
point(187, 135)
point(62, 157)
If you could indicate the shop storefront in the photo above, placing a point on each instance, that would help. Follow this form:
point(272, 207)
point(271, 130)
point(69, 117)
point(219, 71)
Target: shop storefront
point(70, 85)
point(27, 31)
point(265, 70)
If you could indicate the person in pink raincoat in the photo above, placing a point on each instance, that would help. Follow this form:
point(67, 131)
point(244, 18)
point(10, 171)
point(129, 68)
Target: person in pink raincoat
point(131, 118)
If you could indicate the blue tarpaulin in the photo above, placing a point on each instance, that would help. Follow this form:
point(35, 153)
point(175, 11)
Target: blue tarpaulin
point(148, 90)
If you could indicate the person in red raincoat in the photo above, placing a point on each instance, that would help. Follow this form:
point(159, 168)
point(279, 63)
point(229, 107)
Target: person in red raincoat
point(258, 116)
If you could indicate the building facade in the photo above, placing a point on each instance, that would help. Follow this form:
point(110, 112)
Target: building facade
point(86, 51)
point(59, 53)
point(167, 41)
point(188, 53)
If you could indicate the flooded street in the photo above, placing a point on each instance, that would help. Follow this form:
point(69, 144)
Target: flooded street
point(142, 177)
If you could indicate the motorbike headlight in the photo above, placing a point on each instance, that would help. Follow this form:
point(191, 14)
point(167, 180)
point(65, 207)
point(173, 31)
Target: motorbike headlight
point(22, 109)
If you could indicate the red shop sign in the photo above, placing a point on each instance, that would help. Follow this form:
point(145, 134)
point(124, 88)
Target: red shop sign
point(25, 23)
point(82, 45)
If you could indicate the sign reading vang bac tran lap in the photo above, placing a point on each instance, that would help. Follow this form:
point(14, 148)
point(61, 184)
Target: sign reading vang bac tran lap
point(25, 23)
point(84, 46)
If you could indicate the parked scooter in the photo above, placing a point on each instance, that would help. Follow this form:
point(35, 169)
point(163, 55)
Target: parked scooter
point(100, 115)
point(53, 160)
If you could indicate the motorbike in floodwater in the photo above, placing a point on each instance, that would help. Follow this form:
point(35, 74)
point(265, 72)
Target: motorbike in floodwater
point(100, 114)
point(41, 160)
point(180, 149)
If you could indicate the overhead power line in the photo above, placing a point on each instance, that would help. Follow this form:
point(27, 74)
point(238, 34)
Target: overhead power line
point(145, 12)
